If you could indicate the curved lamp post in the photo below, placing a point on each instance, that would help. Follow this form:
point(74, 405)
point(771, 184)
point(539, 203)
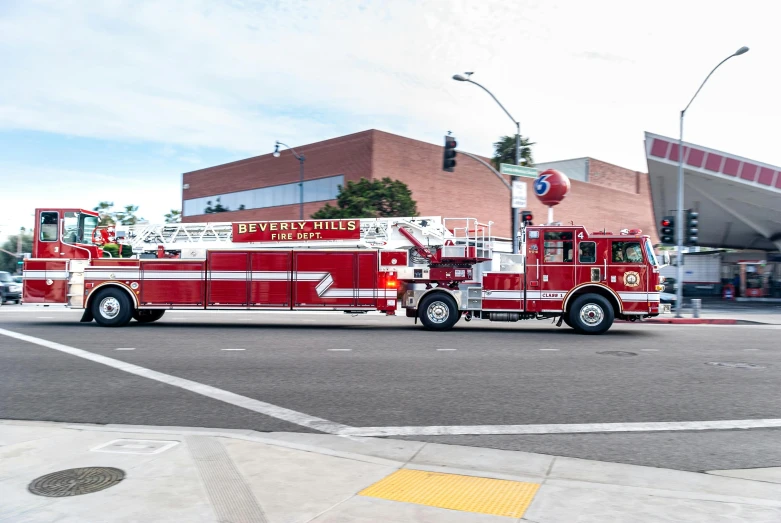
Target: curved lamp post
point(679, 213)
point(461, 78)
point(301, 159)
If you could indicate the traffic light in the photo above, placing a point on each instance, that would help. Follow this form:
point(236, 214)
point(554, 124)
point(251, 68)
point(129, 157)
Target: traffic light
point(692, 231)
point(448, 159)
point(526, 218)
point(667, 230)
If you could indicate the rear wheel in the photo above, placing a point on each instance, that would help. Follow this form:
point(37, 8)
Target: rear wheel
point(147, 316)
point(438, 311)
point(591, 314)
point(112, 308)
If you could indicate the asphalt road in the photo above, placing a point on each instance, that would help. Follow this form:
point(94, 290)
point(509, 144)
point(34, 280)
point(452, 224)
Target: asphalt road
point(396, 374)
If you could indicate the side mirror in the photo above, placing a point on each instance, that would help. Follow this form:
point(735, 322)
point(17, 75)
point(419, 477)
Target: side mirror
point(665, 258)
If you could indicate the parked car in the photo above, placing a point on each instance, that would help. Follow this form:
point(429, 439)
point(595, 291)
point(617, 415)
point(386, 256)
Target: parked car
point(18, 278)
point(9, 289)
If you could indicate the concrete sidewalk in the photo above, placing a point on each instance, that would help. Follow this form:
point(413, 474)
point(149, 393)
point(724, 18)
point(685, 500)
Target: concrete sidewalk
point(202, 475)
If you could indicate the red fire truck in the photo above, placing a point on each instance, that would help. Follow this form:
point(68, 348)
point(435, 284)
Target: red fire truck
point(448, 268)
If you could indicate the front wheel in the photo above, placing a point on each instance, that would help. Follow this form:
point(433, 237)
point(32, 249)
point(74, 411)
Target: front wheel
point(438, 311)
point(591, 314)
point(112, 308)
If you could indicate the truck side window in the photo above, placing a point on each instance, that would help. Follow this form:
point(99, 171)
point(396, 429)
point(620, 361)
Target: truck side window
point(587, 252)
point(48, 231)
point(558, 247)
point(627, 252)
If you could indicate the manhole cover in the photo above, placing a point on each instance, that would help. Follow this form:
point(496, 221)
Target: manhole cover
point(617, 353)
point(735, 364)
point(74, 482)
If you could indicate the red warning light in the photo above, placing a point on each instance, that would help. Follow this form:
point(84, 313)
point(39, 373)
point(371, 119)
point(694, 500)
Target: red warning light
point(666, 223)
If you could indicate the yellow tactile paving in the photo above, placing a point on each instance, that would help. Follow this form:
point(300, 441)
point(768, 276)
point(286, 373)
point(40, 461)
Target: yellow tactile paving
point(468, 493)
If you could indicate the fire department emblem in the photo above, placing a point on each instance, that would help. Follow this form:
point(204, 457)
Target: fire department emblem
point(533, 249)
point(631, 279)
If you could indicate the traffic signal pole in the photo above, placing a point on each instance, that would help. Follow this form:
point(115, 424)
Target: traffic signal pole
point(679, 225)
point(515, 210)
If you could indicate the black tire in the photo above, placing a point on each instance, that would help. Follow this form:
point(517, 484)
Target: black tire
point(147, 316)
point(112, 308)
point(565, 319)
point(591, 314)
point(438, 311)
point(17, 302)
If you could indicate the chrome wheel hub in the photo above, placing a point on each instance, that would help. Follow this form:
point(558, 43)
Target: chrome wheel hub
point(109, 308)
point(592, 314)
point(438, 312)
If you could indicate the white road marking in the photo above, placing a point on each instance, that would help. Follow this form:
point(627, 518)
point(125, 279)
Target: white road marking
point(577, 428)
point(261, 407)
point(650, 350)
point(750, 349)
point(233, 349)
point(45, 317)
point(339, 350)
point(549, 349)
point(446, 349)
point(126, 348)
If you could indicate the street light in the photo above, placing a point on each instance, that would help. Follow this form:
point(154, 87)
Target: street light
point(514, 225)
point(301, 159)
point(679, 213)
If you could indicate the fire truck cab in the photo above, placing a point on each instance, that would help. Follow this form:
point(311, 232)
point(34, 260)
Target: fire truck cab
point(445, 268)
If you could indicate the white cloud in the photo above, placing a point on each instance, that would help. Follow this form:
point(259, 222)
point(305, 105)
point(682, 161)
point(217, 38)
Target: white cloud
point(584, 78)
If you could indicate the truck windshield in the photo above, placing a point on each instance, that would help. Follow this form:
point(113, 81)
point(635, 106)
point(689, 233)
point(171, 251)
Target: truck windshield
point(649, 251)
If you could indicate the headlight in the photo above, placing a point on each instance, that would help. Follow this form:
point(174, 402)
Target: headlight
point(15, 288)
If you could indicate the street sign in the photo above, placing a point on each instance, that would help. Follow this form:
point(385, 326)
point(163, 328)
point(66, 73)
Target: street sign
point(517, 170)
point(519, 194)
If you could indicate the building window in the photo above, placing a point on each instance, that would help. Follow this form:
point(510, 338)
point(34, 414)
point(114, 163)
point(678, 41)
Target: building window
point(319, 190)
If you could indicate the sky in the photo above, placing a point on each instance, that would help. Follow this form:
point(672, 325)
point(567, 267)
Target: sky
point(114, 100)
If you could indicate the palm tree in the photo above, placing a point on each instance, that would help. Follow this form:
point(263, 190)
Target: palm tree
point(504, 151)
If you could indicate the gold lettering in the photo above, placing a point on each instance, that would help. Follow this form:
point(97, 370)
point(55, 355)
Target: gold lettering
point(342, 227)
point(253, 227)
point(262, 227)
point(283, 226)
point(301, 225)
point(318, 225)
point(351, 225)
point(242, 228)
point(273, 226)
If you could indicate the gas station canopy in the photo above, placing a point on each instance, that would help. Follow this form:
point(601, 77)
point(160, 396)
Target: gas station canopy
point(738, 200)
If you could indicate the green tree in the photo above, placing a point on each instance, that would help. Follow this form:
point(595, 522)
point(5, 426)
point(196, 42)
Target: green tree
point(371, 199)
point(8, 260)
point(108, 216)
point(127, 216)
point(175, 216)
point(504, 151)
point(105, 212)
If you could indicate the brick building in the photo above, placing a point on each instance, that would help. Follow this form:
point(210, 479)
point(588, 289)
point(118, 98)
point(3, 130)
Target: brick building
point(265, 187)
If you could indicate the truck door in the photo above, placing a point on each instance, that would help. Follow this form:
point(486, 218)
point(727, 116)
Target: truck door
point(228, 282)
point(270, 279)
point(627, 274)
point(557, 268)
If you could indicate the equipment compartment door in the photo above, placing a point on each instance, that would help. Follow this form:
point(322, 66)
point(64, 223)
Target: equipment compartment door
point(228, 283)
point(270, 279)
point(172, 283)
point(366, 281)
point(324, 280)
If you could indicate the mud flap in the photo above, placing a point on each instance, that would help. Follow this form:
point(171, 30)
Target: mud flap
point(561, 320)
point(87, 316)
